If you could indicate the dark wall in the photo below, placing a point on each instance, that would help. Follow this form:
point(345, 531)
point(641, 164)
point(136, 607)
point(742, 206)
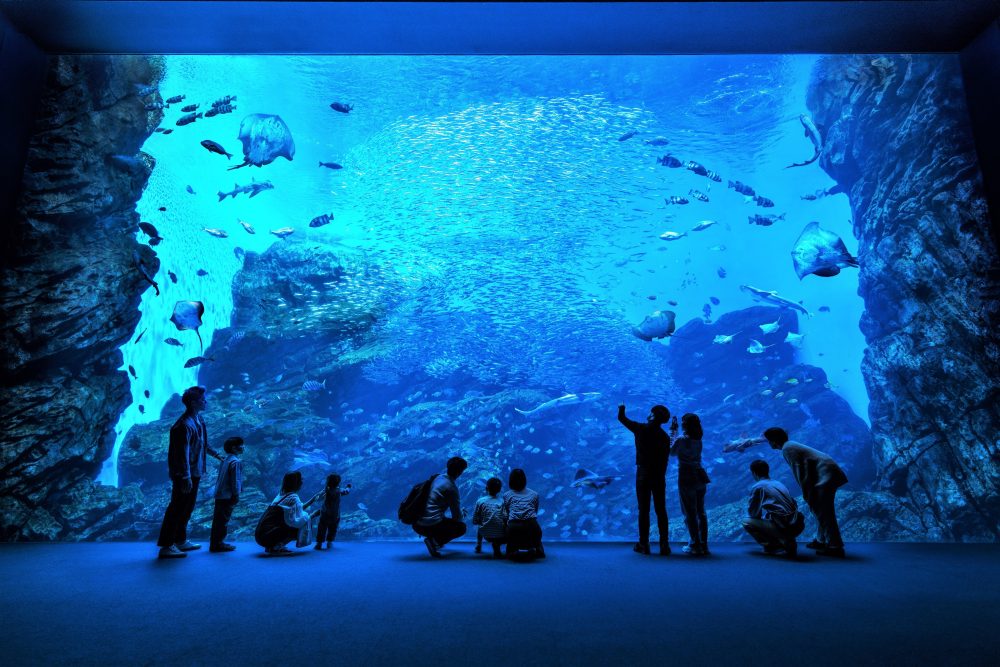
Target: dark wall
point(22, 73)
point(981, 75)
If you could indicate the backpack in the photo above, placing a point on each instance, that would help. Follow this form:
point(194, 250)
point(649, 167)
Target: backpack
point(413, 506)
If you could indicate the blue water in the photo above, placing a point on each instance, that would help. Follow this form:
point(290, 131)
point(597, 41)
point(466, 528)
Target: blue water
point(520, 234)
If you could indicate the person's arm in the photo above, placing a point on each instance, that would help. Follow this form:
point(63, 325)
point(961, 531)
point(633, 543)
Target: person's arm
point(626, 422)
point(189, 435)
point(455, 505)
point(345, 490)
point(236, 480)
point(534, 504)
point(477, 515)
point(756, 501)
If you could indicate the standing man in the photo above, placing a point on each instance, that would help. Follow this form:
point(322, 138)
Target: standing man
point(436, 528)
point(652, 449)
point(820, 477)
point(186, 456)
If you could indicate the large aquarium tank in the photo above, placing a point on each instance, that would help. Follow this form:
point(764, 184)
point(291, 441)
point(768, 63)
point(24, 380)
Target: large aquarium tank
point(376, 263)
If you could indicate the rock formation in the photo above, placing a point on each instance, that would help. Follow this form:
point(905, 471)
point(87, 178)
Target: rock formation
point(897, 140)
point(70, 296)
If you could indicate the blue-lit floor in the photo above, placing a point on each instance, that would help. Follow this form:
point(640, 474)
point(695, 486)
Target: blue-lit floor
point(600, 604)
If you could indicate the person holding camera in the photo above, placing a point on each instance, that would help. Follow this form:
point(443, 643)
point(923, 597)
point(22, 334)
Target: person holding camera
point(652, 449)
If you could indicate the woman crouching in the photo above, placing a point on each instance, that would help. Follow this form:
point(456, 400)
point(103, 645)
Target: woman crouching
point(285, 519)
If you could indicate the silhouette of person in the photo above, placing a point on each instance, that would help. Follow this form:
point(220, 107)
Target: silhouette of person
point(488, 515)
point(284, 519)
point(436, 528)
point(774, 519)
point(186, 456)
point(227, 493)
point(820, 477)
point(520, 508)
point(329, 518)
point(652, 449)
point(692, 482)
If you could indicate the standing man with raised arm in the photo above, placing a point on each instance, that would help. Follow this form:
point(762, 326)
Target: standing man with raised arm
point(186, 457)
point(652, 450)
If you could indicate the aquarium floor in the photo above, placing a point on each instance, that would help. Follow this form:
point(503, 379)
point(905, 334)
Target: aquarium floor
point(389, 603)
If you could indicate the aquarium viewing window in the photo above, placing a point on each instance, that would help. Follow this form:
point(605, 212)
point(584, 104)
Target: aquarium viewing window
point(376, 262)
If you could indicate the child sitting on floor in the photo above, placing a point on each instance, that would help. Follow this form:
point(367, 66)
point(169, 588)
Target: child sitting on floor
point(488, 516)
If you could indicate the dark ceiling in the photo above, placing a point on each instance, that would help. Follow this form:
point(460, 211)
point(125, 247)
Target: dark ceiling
point(251, 26)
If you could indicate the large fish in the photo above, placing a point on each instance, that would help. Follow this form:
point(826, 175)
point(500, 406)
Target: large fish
point(568, 399)
point(658, 324)
point(265, 138)
point(813, 134)
point(820, 252)
point(772, 298)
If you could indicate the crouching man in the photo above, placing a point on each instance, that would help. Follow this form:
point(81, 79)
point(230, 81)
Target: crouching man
point(774, 519)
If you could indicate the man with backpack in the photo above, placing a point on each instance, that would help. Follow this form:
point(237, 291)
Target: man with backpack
point(439, 494)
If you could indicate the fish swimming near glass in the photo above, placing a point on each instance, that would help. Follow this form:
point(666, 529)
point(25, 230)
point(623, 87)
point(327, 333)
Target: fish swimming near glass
point(265, 138)
point(187, 317)
point(197, 361)
point(772, 298)
point(586, 479)
point(656, 141)
point(254, 188)
point(669, 161)
point(321, 220)
point(568, 399)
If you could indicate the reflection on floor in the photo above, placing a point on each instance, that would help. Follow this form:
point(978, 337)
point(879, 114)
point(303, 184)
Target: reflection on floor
point(389, 603)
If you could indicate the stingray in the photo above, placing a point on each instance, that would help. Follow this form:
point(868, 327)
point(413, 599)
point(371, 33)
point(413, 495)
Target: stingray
point(820, 252)
point(265, 138)
point(187, 315)
point(658, 324)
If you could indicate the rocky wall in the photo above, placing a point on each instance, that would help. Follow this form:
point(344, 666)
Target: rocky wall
point(897, 140)
point(69, 296)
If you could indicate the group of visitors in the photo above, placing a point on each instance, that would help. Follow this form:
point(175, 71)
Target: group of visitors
point(509, 519)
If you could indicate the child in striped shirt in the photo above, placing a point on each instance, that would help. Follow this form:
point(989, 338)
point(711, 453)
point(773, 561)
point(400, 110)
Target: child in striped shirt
point(488, 515)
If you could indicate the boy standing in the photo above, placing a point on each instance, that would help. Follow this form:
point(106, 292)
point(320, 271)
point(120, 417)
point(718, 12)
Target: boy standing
point(227, 494)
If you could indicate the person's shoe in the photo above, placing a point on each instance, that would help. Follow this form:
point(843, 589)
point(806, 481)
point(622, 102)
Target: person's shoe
point(835, 552)
point(318, 547)
point(188, 546)
point(664, 549)
point(791, 548)
point(497, 551)
point(705, 551)
point(432, 548)
point(539, 551)
point(641, 548)
point(329, 545)
point(816, 545)
point(772, 549)
point(478, 549)
point(222, 548)
point(694, 550)
point(171, 552)
point(281, 551)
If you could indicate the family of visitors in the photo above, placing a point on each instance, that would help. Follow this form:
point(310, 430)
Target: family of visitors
point(508, 521)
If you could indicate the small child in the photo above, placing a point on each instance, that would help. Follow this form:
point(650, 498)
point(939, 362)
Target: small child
point(329, 518)
point(488, 515)
point(227, 494)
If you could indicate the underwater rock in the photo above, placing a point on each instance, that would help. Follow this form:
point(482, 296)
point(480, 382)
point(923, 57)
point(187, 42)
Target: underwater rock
point(898, 142)
point(70, 296)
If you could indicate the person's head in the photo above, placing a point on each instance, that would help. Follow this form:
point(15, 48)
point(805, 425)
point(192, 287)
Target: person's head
point(456, 466)
point(760, 470)
point(193, 399)
point(517, 480)
point(776, 437)
point(691, 426)
point(233, 445)
point(291, 482)
point(658, 414)
point(332, 481)
point(493, 486)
